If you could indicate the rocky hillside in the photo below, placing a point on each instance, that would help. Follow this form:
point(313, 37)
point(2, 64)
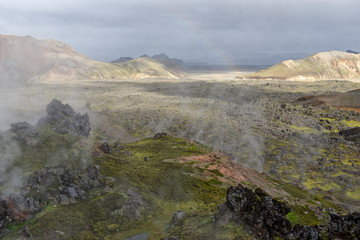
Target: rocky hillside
point(320, 66)
point(25, 59)
point(342, 100)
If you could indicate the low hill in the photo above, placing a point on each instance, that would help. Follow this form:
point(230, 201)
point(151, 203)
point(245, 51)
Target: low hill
point(145, 67)
point(320, 66)
point(172, 63)
point(169, 62)
point(343, 100)
point(26, 59)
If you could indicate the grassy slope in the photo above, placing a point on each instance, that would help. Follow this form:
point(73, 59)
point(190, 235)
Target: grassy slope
point(137, 68)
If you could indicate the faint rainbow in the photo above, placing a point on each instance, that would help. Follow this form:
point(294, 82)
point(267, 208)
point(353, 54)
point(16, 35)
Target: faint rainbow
point(199, 33)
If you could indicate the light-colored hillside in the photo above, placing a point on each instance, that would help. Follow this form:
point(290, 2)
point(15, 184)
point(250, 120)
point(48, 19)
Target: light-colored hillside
point(25, 59)
point(320, 66)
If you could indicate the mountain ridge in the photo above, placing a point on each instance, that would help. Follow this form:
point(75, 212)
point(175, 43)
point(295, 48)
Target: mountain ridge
point(26, 59)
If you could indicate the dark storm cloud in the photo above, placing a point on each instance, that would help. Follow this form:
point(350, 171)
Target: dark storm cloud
point(228, 30)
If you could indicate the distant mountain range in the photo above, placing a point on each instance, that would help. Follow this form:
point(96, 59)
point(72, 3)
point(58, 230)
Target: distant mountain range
point(26, 59)
point(320, 66)
point(351, 51)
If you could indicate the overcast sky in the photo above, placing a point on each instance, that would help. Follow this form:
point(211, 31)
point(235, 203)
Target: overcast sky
point(242, 31)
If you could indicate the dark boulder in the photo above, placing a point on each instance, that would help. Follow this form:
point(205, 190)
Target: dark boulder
point(176, 217)
point(352, 134)
point(304, 232)
point(24, 132)
point(22, 127)
point(160, 135)
point(133, 205)
point(105, 148)
point(3, 213)
point(344, 227)
point(264, 215)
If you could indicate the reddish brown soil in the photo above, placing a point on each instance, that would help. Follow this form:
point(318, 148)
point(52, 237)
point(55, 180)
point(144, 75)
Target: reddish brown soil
point(233, 173)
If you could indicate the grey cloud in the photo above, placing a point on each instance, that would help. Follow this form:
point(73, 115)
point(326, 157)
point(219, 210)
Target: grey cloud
point(188, 29)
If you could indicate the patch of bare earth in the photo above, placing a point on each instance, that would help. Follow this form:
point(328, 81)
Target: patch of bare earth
point(232, 173)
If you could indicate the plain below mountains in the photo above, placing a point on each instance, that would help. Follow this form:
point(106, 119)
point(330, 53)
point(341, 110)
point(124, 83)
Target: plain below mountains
point(26, 59)
point(321, 66)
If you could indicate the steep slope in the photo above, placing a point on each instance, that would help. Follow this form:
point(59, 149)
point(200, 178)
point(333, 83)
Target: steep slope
point(346, 100)
point(24, 59)
point(321, 66)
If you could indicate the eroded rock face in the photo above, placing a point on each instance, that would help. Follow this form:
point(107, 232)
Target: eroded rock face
point(265, 216)
point(64, 120)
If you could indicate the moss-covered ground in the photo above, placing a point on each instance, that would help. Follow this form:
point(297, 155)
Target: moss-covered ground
point(166, 187)
point(315, 156)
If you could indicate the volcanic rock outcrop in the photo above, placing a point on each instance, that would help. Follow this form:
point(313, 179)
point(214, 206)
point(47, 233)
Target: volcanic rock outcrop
point(344, 227)
point(61, 118)
point(265, 216)
point(57, 185)
point(64, 119)
point(320, 66)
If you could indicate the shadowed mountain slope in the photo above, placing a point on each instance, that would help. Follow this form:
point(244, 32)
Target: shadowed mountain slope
point(346, 100)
